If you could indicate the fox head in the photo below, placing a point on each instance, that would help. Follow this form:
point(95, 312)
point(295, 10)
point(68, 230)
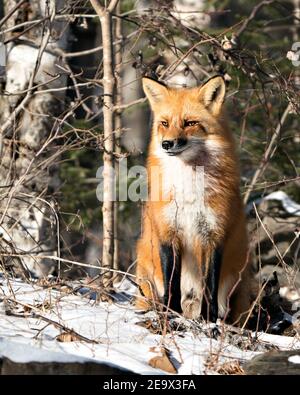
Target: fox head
point(188, 121)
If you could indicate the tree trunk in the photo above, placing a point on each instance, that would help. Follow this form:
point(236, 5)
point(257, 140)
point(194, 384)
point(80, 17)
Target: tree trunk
point(118, 125)
point(105, 17)
point(29, 121)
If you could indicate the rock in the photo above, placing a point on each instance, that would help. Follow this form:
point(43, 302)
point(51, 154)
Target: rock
point(9, 367)
point(277, 245)
point(282, 226)
point(274, 363)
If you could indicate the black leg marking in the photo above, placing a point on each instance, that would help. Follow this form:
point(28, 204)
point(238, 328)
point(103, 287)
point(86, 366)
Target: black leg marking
point(215, 333)
point(171, 266)
point(212, 285)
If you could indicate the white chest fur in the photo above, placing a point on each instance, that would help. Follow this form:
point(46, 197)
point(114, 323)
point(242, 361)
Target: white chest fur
point(187, 212)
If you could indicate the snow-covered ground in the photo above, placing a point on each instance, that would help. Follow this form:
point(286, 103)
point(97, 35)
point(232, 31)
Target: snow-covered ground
point(32, 317)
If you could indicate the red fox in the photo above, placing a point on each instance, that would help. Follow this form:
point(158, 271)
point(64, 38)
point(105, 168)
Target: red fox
point(193, 252)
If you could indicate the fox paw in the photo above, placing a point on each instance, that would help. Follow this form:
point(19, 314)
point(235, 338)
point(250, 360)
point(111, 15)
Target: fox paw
point(191, 308)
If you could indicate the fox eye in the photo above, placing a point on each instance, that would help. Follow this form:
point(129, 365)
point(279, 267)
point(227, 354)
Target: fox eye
point(190, 123)
point(165, 123)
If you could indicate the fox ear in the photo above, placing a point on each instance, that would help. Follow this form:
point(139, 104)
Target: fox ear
point(154, 90)
point(212, 93)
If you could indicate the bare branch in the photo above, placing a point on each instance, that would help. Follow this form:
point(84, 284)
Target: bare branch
point(252, 16)
point(267, 154)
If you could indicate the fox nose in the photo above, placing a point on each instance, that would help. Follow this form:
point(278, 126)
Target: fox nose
point(167, 144)
point(177, 143)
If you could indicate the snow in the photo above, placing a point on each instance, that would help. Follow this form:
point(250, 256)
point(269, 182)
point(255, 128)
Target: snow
point(18, 352)
point(288, 204)
point(111, 332)
point(294, 359)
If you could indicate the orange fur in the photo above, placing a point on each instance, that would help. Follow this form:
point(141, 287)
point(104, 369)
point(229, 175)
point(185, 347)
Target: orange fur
point(221, 220)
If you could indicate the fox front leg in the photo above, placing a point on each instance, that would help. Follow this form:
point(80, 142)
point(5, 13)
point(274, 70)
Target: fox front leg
point(212, 285)
point(171, 268)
